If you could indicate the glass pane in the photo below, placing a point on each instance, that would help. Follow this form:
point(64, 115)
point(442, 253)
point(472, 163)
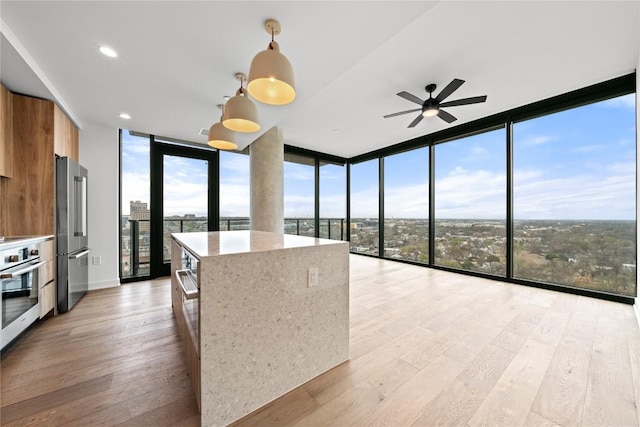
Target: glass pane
point(364, 207)
point(406, 205)
point(234, 191)
point(135, 195)
point(185, 192)
point(299, 195)
point(470, 198)
point(333, 201)
point(575, 197)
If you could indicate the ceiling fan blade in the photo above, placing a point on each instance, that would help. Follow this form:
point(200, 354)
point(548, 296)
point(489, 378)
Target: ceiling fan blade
point(416, 121)
point(446, 116)
point(465, 101)
point(409, 97)
point(401, 113)
point(451, 87)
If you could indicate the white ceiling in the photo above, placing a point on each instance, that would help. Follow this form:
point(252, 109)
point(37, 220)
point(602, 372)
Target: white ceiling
point(177, 60)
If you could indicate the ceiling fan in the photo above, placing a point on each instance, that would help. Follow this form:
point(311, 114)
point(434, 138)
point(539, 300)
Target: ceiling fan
point(433, 106)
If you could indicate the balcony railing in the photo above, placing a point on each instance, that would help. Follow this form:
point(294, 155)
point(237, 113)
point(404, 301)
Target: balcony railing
point(136, 241)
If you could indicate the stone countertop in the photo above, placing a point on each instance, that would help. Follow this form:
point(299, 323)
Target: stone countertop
point(216, 243)
point(11, 242)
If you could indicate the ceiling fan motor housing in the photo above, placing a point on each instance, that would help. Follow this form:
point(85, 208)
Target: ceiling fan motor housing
point(430, 107)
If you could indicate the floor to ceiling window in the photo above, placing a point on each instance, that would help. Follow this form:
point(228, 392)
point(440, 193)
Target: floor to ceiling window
point(365, 236)
point(135, 191)
point(575, 197)
point(470, 203)
point(333, 200)
point(184, 199)
point(543, 195)
point(299, 195)
point(406, 205)
point(234, 191)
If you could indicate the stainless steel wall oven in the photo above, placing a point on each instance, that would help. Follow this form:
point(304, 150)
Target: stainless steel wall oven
point(19, 270)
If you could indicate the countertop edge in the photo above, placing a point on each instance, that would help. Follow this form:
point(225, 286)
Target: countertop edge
point(27, 240)
point(201, 256)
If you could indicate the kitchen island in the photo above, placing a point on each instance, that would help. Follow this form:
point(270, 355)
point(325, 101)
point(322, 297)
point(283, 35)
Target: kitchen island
point(271, 313)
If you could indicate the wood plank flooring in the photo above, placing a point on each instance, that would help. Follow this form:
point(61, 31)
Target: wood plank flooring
point(427, 348)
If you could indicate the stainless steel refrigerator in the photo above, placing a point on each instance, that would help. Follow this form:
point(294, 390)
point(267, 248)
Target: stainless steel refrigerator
point(72, 250)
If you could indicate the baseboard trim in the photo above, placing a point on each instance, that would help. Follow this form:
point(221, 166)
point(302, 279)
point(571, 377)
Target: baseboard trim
point(103, 285)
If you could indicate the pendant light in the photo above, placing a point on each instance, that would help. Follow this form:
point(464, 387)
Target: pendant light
point(271, 75)
point(220, 137)
point(240, 114)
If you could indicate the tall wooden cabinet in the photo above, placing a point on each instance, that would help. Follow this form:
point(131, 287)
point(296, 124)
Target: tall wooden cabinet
point(40, 130)
point(6, 132)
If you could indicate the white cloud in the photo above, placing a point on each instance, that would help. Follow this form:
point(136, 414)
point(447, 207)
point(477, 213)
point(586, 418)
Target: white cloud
point(588, 148)
point(299, 173)
point(407, 202)
point(235, 163)
point(474, 194)
point(333, 206)
point(234, 200)
point(135, 186)
point(296, 206)
point(535, 140)
point(584, 196)
point(364, 203)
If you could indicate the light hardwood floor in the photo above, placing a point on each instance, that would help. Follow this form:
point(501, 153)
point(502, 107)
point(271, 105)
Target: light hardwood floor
point(427, 348)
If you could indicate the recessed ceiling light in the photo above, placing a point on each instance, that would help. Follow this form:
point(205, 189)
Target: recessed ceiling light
point(107, 51)
point(125, 116)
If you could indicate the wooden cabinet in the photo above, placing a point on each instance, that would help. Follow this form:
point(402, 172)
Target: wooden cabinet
point(65, 137)
point(46, 284)
point(6, 132)
point(27, 200)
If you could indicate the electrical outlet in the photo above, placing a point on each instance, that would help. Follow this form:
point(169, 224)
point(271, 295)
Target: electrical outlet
point(313, 277)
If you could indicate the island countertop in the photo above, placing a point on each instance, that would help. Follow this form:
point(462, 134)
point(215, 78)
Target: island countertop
point(215, 243)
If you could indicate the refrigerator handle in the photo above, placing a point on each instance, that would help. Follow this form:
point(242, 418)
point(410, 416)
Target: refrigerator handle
point(80, 190)
point(80, 254)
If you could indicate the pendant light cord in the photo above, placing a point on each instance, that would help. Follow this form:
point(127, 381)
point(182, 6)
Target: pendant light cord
point(272, 40)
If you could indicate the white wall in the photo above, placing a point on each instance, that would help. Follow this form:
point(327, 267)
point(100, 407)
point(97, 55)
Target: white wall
point(99, 154)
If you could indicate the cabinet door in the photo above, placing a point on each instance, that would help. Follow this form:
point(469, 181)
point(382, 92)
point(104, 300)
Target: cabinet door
point(65, 135)
point(47, 296)
point(46, 272)
point(6, 133)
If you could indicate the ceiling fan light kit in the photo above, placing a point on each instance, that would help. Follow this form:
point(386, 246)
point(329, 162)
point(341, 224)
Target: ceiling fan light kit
point(271, 78)
point(240, 114)
point(433, 106)
point(220, 137)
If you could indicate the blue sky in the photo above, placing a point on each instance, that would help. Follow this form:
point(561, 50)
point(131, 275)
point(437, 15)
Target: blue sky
point(577, 164)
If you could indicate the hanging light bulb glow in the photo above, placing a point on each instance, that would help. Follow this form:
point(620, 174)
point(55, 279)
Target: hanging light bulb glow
point(271, 78)
point(240, 114)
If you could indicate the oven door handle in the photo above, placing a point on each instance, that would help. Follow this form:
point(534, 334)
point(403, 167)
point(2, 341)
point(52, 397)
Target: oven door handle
point(22, 271)
point(190, 289)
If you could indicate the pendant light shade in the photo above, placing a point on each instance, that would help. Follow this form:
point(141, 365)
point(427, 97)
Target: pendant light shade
point(271, 75)
point(220, 137)
point(240, 114)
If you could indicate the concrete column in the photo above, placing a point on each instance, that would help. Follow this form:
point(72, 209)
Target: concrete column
point(267, 182)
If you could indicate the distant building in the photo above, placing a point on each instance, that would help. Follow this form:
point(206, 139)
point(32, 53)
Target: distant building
point(140, 212)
